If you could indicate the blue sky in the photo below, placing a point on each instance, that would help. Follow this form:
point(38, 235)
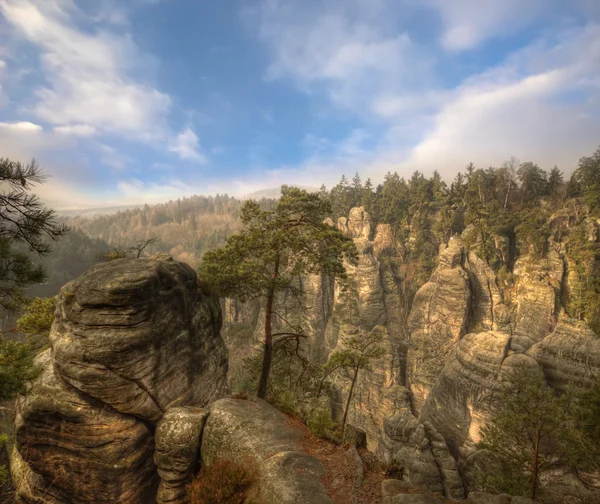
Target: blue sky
point(150, 100)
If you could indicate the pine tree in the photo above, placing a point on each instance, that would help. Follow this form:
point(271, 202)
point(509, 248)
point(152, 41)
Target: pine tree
point(25, 227)
point(275, 248)
point(526, 433)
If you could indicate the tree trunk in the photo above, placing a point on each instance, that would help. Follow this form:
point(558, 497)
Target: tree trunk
point(348, 403)
point(507, 195)
point(535, 462)
point(268, 352)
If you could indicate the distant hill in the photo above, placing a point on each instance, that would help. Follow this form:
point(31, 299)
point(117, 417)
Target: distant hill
point(275, 192)
point(90, 212)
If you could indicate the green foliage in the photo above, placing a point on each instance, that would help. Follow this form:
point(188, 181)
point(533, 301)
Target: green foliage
point(36, 321)
point(321, 424)
point(586, 181)
point(277, 246)
point(583, 302)
point(25, 227)
point(533, 230)
point(16, 368)
point(223, 482)
point(526, 434)
point(4, 473)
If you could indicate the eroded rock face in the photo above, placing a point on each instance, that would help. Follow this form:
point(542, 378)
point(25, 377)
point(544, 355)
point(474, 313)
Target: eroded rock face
point(140, 335)
point(538, 294)
point(570, 355)
point(437, 321)
point(459, 403)
point(237, 428)
point(77, 449)
point(131, 338)
point(177, 440)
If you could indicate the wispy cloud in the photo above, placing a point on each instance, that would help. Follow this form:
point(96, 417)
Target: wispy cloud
point(21, 126)
point(187, 146)
point(81, 130)
point(347, 48)
point(87, 74)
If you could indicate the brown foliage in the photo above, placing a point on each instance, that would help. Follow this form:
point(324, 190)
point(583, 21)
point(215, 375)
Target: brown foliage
point(224, 482)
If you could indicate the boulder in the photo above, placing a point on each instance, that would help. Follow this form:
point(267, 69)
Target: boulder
point(397, 492)
point(76, 449)
point(139, 335)
point(242, 428)
point(177, 440)
point(486, 498)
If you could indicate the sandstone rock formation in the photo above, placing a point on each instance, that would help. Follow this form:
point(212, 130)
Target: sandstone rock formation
point(569, 356)
point(238, 428)
point(437, 321)
point(74, 449)
point(141, 336)
point(131, 339)
point(177, 439)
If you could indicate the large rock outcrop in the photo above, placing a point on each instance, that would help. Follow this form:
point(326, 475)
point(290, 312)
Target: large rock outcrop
point(437, 321)
point(131, 339)
point(461, 296)
point(141, 336)
point(74, 449)
point(238, 429)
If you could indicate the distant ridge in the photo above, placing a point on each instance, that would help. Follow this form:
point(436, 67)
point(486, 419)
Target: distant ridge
point(275, 192)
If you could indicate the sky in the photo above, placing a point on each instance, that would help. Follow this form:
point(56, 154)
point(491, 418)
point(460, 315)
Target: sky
point(145, 101)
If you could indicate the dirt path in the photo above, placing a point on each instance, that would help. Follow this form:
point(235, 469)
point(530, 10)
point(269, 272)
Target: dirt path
point(341, 468)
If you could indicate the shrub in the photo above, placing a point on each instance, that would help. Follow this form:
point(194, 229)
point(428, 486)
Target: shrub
point(321, 424)
point(284, 400)
point(224, 482)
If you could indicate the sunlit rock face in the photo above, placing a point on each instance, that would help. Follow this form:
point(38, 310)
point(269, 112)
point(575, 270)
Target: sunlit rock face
point(132, 339)
point(374, 298)
point(140, 336)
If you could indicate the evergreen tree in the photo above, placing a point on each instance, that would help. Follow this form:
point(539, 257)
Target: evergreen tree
point(555, 180)
point(526, 433)
point(357, 354)
point(586, 181)
point(368, 198)
point(25, 226)
point(274, 248)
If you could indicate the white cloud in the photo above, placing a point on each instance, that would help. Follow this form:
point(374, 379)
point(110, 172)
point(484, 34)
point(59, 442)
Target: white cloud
point(88, 74)
point(81, 130)
point(469, 22)
point(352, 48)
point(187, 146)
point(21, 126)
point(507, 111)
